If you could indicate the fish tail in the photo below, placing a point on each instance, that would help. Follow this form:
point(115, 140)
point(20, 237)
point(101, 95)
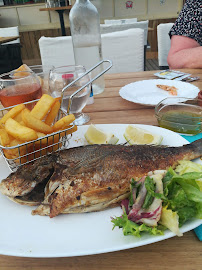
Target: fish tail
point(196, 148)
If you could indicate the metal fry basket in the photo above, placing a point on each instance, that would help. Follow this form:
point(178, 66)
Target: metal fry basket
point(24, 153)
point(21, 154)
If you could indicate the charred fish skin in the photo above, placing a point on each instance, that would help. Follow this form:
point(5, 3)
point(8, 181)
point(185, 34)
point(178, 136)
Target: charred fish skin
point(87, 177)
point(107, 169)
point(27, 177)
point(143, 157)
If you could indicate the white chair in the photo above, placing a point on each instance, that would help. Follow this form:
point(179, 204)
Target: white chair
point(56, 51)
point(121, 21)
point(163, 41)
point(109, 28)
point(9, 32)
point(125, 49)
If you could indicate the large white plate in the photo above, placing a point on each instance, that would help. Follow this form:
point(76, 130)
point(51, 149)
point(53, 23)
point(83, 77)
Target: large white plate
point(72, 234)
point(146, 92)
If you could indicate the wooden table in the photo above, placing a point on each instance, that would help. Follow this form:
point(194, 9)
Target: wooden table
point(7, 39)
point(174, 253)
point(60, 11)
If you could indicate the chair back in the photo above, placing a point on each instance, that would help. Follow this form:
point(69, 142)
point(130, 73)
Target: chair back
point(125, 49)
point(56, 51)
point(163, 41)
point(107, 28)
point(121, 21)
point(9, 32)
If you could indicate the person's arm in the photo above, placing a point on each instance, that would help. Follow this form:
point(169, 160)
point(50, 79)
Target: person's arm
point(185, 52)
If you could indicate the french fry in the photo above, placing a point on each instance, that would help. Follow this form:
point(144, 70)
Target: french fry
point(18, 117)
point(6, 153)
point(22, 71)
point(42, 141)
point(22, 149)
point(42, 107)
point(54, 143)
point(4, 137)
point(70, 131)
point(20, 132)
point(35, 123)
point(12, 113)
point(16, 152)
point(64, 121)
point(53, 113)
point(21, 125)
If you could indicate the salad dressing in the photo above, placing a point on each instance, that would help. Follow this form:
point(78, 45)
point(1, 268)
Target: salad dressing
point(182, 121)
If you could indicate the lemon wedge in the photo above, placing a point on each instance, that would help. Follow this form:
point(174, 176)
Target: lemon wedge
point(95, 135)
point(135, 135)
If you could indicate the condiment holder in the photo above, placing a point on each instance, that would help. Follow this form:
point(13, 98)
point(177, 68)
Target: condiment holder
point(180, 114)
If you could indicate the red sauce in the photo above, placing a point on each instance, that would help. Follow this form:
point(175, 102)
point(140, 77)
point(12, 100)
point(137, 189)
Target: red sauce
point(17, 94)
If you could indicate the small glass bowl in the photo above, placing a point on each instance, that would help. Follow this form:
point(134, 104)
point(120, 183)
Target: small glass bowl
point(180, 114)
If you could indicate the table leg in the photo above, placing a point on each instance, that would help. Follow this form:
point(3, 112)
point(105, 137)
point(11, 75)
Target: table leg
point(60, 12)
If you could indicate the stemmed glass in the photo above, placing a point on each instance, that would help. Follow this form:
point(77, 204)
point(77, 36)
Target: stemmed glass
point(19, 87)
point(63, 76)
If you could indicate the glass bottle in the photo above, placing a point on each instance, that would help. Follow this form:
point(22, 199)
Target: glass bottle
point(85, 30)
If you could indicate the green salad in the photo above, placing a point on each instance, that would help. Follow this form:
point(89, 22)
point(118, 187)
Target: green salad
point(162, 200)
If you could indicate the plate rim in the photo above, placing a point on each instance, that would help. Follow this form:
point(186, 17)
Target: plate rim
point(122, 89)
point(126, 245)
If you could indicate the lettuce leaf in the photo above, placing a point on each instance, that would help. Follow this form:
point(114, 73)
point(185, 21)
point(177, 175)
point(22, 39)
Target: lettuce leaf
point(131, 228)
point(190, 187)
point(186, 213)
point(167, 181)
point(188, 166)
point(184, 196)
point(170, 220)
point(182, 200)
point(199, 210)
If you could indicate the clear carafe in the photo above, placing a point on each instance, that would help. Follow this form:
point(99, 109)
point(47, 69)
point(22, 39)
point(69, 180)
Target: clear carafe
point(86, 38)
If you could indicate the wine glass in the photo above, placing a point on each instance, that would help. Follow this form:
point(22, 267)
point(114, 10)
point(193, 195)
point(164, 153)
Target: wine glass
point(61, 77)
point(18, 87)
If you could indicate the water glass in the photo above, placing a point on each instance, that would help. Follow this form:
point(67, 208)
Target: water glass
point(63, 76)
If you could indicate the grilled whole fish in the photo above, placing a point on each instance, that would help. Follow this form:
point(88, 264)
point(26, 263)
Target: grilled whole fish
point(89, 178)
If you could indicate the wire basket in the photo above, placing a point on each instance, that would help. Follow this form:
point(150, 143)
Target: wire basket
point(24, 153)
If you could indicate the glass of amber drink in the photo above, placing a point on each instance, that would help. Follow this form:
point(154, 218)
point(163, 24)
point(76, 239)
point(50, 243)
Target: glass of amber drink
point(18, 87)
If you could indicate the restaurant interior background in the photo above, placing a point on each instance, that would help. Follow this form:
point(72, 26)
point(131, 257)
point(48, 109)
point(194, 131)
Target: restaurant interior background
point(34, 23)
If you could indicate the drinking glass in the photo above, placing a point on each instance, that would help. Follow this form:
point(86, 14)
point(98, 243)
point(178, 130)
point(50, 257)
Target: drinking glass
point(61, 77)
point(19, 87)
point(43, 75)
